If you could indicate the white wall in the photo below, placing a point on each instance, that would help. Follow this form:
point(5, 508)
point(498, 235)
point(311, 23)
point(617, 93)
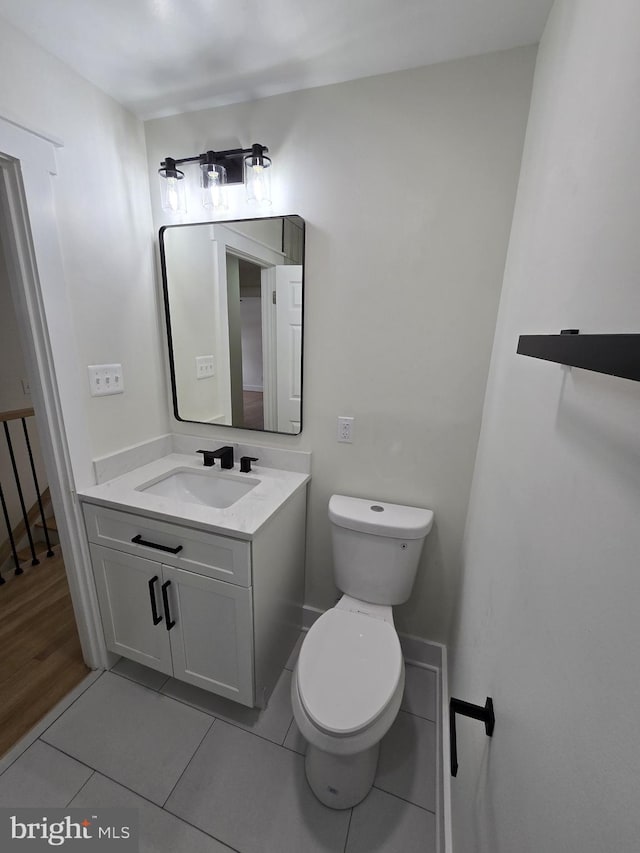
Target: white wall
point(194, 319)
point(407, 183)
point(103, 214)
point(548, 622)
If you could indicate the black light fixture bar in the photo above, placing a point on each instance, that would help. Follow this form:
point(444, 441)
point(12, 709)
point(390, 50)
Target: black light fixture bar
point(614, 355)
point(232, 159)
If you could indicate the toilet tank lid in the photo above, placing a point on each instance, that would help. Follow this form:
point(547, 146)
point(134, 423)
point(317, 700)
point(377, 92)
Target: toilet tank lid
point(380, 519)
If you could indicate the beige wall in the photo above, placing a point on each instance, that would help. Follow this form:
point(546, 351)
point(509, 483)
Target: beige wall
point(548, 622)
point(104, 224)
point(407, 183)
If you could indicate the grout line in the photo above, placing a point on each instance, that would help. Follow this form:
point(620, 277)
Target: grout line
point(199, 829)
point(346, 838)
point(189, 762)
point(287, 735)
point(404, 800)
point(84, 784)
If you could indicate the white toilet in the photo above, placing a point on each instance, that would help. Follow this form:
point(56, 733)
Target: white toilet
point(348, 682)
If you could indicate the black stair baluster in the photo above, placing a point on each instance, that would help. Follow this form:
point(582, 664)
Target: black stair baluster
point(34, 560)
point(35, 483)
point(10, 532)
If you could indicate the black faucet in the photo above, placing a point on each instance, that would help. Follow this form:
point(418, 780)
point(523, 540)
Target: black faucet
point(225, 455)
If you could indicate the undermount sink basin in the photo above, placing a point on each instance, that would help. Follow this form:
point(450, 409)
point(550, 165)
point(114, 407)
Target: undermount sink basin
point(207, 488)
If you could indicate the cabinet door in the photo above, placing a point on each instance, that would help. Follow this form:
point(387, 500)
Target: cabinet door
point(212, 639)
point(125, 596)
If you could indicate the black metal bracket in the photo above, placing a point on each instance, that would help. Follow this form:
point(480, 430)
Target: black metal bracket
point(615, 355)
point(476, 712)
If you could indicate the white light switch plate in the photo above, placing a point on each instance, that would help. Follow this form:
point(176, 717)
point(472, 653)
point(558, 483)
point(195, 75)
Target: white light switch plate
point(105, 379)
point(204, 366)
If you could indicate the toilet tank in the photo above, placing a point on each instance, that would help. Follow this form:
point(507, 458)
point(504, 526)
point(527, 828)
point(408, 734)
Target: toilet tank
point(376, 547)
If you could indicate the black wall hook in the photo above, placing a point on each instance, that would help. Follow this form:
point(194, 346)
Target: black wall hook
point(476, 712)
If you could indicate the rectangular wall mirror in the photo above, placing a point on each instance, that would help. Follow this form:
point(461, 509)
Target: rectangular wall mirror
point(233, 294)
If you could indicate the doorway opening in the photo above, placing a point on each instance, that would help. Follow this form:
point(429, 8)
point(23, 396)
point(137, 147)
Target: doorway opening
point(42, 658)
point(251, 344)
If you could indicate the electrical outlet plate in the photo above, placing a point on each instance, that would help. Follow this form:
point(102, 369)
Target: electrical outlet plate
point(345, 429)
point(105, 379)
point(204, 366)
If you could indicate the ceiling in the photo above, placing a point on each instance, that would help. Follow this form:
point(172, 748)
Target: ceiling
point(160, 57)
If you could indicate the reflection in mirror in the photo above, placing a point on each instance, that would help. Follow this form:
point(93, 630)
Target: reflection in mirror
point(234, 304)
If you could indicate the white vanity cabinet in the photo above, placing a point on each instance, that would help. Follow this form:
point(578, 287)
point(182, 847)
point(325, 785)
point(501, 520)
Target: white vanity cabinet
point(215, 611)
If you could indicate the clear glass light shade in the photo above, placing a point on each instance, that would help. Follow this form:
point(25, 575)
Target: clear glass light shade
point(213, 179)
point(172, 193)
point(257, 180)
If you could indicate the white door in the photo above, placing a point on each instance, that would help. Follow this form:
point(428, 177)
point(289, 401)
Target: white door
point(289, 346)
point(211, 640)
point(130, 598)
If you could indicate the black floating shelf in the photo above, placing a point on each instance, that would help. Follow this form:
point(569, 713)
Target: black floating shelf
point(615, 355)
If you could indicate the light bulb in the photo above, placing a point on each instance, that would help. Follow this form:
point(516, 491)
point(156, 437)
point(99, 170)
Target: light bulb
point(214, 186)
point(258, 181)
point(173, 201)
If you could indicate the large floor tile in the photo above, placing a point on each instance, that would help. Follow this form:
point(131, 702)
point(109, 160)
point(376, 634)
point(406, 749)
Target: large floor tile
point(158, 831)
point(42, 776)
point(131, 734)
point(407, 764)
point(384, 824)
point(272, 723)
point(253, 795)
point(420, 692)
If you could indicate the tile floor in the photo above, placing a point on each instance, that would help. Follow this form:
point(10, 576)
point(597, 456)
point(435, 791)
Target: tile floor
point(210, 776)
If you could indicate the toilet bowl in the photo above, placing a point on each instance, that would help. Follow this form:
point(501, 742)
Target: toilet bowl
point(348, 681)
point(346, 692)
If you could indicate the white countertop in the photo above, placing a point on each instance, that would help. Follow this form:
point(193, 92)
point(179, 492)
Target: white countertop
point(242, 519)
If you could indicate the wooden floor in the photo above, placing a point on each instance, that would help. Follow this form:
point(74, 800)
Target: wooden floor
point(40, 657)
point(253, 410)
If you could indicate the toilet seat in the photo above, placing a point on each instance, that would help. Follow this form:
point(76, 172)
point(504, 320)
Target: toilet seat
point(348, 671)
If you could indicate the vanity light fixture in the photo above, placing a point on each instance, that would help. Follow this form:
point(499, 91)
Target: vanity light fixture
point(218, 169)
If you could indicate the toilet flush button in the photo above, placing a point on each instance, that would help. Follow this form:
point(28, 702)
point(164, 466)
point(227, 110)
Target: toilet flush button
point(377, 508)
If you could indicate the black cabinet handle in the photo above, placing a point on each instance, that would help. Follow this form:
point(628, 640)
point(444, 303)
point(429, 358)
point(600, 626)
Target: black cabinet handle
point(152, 595)
point(138, 540)
point(165, 601)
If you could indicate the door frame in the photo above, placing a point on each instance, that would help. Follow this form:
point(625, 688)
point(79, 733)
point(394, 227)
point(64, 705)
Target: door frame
point(43, 310)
